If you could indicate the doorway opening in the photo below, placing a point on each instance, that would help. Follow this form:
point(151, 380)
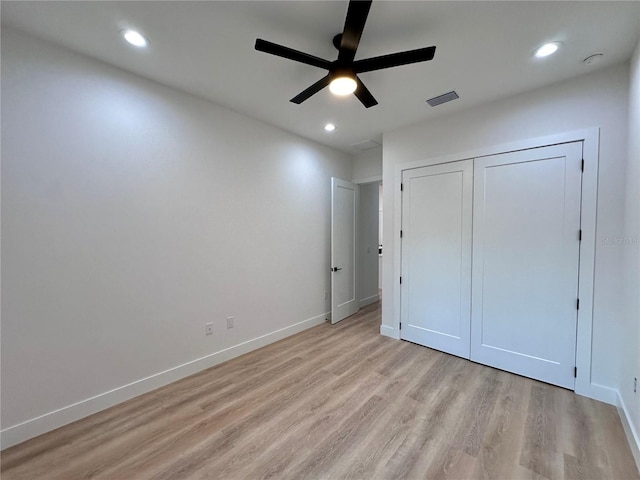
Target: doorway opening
point(356, 246)
point(370, 243)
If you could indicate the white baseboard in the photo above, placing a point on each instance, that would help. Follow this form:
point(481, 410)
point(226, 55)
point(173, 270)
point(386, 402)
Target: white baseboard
point(389, 332)
point(37, 426)
point(598, 392)
point(369, 300)
point(633, 436)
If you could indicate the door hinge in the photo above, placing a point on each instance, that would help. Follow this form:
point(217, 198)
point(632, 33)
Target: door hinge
point(582, 165)
point(579, 235)
point(400, 325)
point(577, 304)
point(400, 233)
point(402, 187)
point(575, 372)
point(400, 280)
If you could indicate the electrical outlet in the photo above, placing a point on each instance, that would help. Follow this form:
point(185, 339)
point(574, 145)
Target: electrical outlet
point(208, 328)
point(229, 322)
point(635, 385)
point(326, 295)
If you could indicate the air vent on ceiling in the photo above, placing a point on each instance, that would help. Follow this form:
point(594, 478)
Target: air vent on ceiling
point(365, 145)
point(440, 99)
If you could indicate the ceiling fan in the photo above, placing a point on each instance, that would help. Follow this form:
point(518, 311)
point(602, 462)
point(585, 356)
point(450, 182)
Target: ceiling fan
point(343, 72)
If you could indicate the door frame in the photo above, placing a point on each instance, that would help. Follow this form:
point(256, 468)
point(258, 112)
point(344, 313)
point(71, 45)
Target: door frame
point(591, 144)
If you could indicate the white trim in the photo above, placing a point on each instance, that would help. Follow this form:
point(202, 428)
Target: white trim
point(375, 178)
point(633, 436)
point(601, 393)
point(397, 249)
point(590, 152)
point(389, 332)
point(49, 421)
point(369, 300)
point(566, 137)
point(591, 142)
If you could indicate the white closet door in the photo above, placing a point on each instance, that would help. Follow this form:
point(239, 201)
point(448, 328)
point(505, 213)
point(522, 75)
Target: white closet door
point(526, 224)
point(436, 256)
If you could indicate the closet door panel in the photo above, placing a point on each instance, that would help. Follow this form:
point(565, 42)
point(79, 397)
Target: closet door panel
point(526, 224)
point(436, 256)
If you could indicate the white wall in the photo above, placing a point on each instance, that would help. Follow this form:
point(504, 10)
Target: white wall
point(368, 244)
point(367, 166)
point(131, 215)
point(597, 99)
point(630, 244)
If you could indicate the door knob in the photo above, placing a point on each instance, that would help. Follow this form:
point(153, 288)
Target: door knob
point(335, 269)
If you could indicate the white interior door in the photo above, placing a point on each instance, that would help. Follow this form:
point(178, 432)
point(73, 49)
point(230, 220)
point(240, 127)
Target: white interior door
point(344, 207)
point(436, 256)
point(525, 262)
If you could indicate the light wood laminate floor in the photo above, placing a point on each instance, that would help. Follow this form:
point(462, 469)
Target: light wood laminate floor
point(339, 402)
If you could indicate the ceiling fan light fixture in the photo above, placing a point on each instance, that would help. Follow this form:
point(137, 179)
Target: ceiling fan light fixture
point(342, 77)
point(343, 85)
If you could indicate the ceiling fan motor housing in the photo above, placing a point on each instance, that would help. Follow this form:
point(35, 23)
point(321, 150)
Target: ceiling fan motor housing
point(337, 40)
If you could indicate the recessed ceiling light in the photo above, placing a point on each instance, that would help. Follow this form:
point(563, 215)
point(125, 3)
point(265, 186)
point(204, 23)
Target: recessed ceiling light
point(547, 49)
point(135, 38)
point(329, 127)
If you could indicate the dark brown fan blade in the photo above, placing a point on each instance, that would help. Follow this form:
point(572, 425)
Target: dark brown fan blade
point(364, 95)
point(291, 54)
point(312, 90)
point(394, 60)
point(357, 13)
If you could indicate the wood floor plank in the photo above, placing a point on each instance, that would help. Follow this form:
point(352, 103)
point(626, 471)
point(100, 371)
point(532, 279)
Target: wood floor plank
point(540, 452)
point(339, 402)
point(421, 440)
point(463, 440)
point(232, 435)
point(268, 439)
point(452, 463)
point(303, 439)
point(392, 428)
point(612, 440)
point(499, 455)
point(208, 430)
point(473, 426)
point(393, 425)
point(581, 454)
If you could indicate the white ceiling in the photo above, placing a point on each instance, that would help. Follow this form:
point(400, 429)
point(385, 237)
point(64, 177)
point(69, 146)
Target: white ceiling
point(206, 48)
